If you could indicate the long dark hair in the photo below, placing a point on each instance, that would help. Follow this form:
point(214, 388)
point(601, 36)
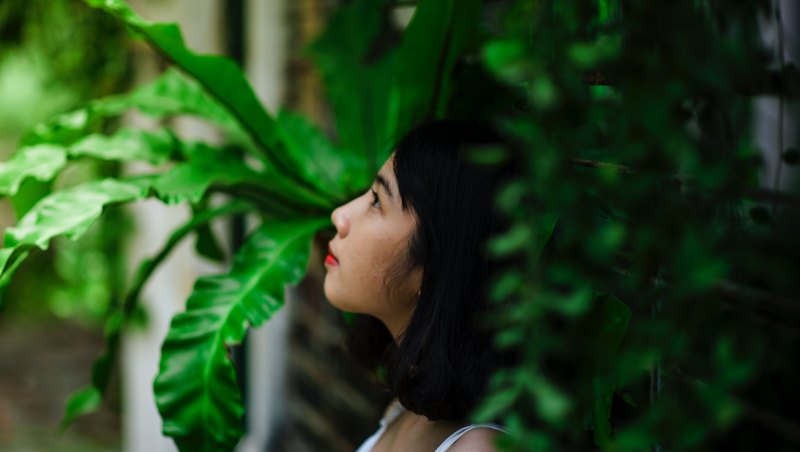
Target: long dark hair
point(441, 364)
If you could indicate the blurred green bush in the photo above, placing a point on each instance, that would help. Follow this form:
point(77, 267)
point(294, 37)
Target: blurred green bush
point(45, 69)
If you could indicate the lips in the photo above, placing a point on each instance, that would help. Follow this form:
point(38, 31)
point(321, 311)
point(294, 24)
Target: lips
point(330, 259)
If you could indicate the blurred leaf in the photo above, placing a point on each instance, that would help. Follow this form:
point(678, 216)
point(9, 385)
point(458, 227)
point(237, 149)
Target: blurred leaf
point(171, 94)
point(496, 404)
point(206, 166)
point(543, 92)
point(70, 212)
point(487, 155)
point(84, 401)
point(506, 285)
point(609, 319)
point(131, 311)
point(506, 59)
point(357, 82)
point(30, 192)
point(128, 145)
point(439, 33)
point(588, 55)
point(219, 75)
point(196, 390)
point(206, 243)
point(7, 270)
point(320, 162)
point(552, 404)
point(5, 254)
point(512, 241)
point(603, 393)
point(41, 162)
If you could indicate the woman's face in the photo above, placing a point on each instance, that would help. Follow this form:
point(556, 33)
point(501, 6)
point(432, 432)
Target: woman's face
point(372, 235)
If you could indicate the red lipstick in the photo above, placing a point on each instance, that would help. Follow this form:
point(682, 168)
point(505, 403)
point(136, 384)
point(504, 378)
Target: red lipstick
point(330, 259)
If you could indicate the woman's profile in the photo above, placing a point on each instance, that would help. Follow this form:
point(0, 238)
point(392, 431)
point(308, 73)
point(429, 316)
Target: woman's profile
point(410, 254)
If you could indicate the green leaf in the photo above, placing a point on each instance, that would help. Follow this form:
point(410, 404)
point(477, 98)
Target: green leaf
point(196, 389)
point(607, 325)
point(211, 167)
point(7, 270)
point(171, 94)
point(5, 255)
point(439, 33)
point(70, 212)
point(358, 82)
point(589, 55)
point(552, 403)
point(506, 59)
point(89, 399)
point(84, 401)
point(328, 168)
point(30, 192)
point(220, 76)
point(206, 243)
point(103, 366)
point(612, 317)
point(512, 241)
point(496, 404)
point(128, 145)
point(175, 94)
point(41, 162)
point(189, 181)
point(602, 397)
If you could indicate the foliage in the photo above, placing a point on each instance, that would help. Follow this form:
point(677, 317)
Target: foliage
point(44, 68)
point(633, 311)
point(638, 140)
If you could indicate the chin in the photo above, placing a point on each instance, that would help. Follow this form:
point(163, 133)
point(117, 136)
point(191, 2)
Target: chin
point(336, 298)
point(331, 294)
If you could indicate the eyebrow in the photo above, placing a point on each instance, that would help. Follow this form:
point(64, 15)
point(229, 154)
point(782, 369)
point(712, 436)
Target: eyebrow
point(383, 182)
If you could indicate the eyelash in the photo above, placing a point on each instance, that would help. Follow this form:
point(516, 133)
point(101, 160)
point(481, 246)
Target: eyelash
point(375, 199)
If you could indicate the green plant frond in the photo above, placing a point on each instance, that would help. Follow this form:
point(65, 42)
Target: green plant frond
point(171, 94)
point(327, 167)
point(16, 256)
point(41, 162)
point(439, 33)
point(196, 389)
point(71, 211)
point(357, 84)
point(156, 147)
point(206, 167)
point(222, 79)
point(89, 399)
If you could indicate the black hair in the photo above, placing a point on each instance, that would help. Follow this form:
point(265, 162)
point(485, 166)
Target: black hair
point(441, 364)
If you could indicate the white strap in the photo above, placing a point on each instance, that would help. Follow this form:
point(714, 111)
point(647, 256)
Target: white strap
point(393, 413)
point(460, 432)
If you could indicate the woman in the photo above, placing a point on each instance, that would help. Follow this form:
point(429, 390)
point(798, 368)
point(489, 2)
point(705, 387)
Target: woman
point(409, 253)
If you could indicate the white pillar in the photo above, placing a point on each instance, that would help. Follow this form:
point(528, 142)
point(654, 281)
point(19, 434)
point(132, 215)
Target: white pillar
point(169, 287)
point(770, 111)
point(267, 43)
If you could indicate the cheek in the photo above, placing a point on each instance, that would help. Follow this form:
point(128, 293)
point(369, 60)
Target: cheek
point(358, 285)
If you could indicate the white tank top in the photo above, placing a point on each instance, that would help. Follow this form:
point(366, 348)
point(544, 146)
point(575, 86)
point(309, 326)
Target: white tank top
point(396, 410)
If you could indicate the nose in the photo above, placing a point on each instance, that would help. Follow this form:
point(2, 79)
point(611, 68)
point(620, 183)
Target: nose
point(340, 221)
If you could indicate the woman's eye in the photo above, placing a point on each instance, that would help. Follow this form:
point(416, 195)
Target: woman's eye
point(375, 201)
